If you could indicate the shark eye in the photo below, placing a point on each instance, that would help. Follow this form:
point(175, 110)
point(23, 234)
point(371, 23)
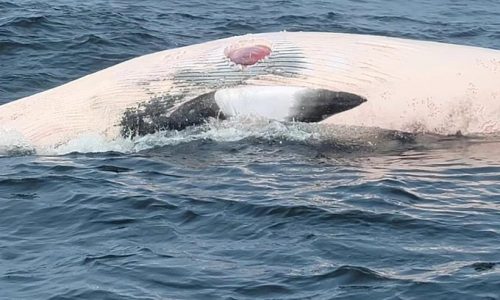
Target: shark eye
point(247, 55)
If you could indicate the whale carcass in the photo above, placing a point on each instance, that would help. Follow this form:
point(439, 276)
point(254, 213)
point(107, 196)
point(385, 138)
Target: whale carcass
point(332, 78)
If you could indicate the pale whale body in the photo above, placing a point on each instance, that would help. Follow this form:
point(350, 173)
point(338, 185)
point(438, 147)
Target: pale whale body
point(332, 78)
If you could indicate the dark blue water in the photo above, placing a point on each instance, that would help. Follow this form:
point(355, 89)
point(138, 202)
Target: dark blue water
point(242, 211)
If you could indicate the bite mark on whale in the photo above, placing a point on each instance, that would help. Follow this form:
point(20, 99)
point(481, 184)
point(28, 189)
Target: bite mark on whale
point(247, 55)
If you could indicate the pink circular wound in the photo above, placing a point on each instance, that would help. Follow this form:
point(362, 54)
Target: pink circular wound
point(249, 55)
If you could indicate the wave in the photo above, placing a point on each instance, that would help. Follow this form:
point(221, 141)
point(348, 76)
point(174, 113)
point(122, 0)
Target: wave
point(13, 144)
point(27, 22)
point(252, 130)
point(346, 139)
point(344, 275)
point(5, 5)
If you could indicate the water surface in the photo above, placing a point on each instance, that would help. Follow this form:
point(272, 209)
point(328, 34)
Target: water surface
point(241, 210)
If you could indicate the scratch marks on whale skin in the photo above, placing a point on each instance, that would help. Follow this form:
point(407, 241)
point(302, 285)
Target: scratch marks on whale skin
point(493, 65)
point(463, 116)
point(221, 69)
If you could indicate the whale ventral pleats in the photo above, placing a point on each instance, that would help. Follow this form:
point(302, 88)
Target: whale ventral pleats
point(248, 53)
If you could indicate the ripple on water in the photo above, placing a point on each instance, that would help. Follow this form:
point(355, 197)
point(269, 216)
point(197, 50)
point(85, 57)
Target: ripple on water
point(242, 209)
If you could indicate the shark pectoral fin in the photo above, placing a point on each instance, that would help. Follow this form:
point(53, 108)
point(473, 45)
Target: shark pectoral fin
point(195, 112)
point(315, 105)
point(160, 114)
point(284, 103)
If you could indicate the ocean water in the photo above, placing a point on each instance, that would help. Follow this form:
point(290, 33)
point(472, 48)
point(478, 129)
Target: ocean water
point(242, 209)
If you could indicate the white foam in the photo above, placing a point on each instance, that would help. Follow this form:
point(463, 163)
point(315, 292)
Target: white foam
point(91, 143)
point(13, 143)
point(232, 130)
point(244, 127)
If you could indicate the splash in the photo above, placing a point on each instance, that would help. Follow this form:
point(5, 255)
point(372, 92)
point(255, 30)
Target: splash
point(91, 143)
point(242, 128)
point(12, 143)
point(232, 130)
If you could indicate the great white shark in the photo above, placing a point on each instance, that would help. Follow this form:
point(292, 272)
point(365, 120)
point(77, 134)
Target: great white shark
point(332, 78)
